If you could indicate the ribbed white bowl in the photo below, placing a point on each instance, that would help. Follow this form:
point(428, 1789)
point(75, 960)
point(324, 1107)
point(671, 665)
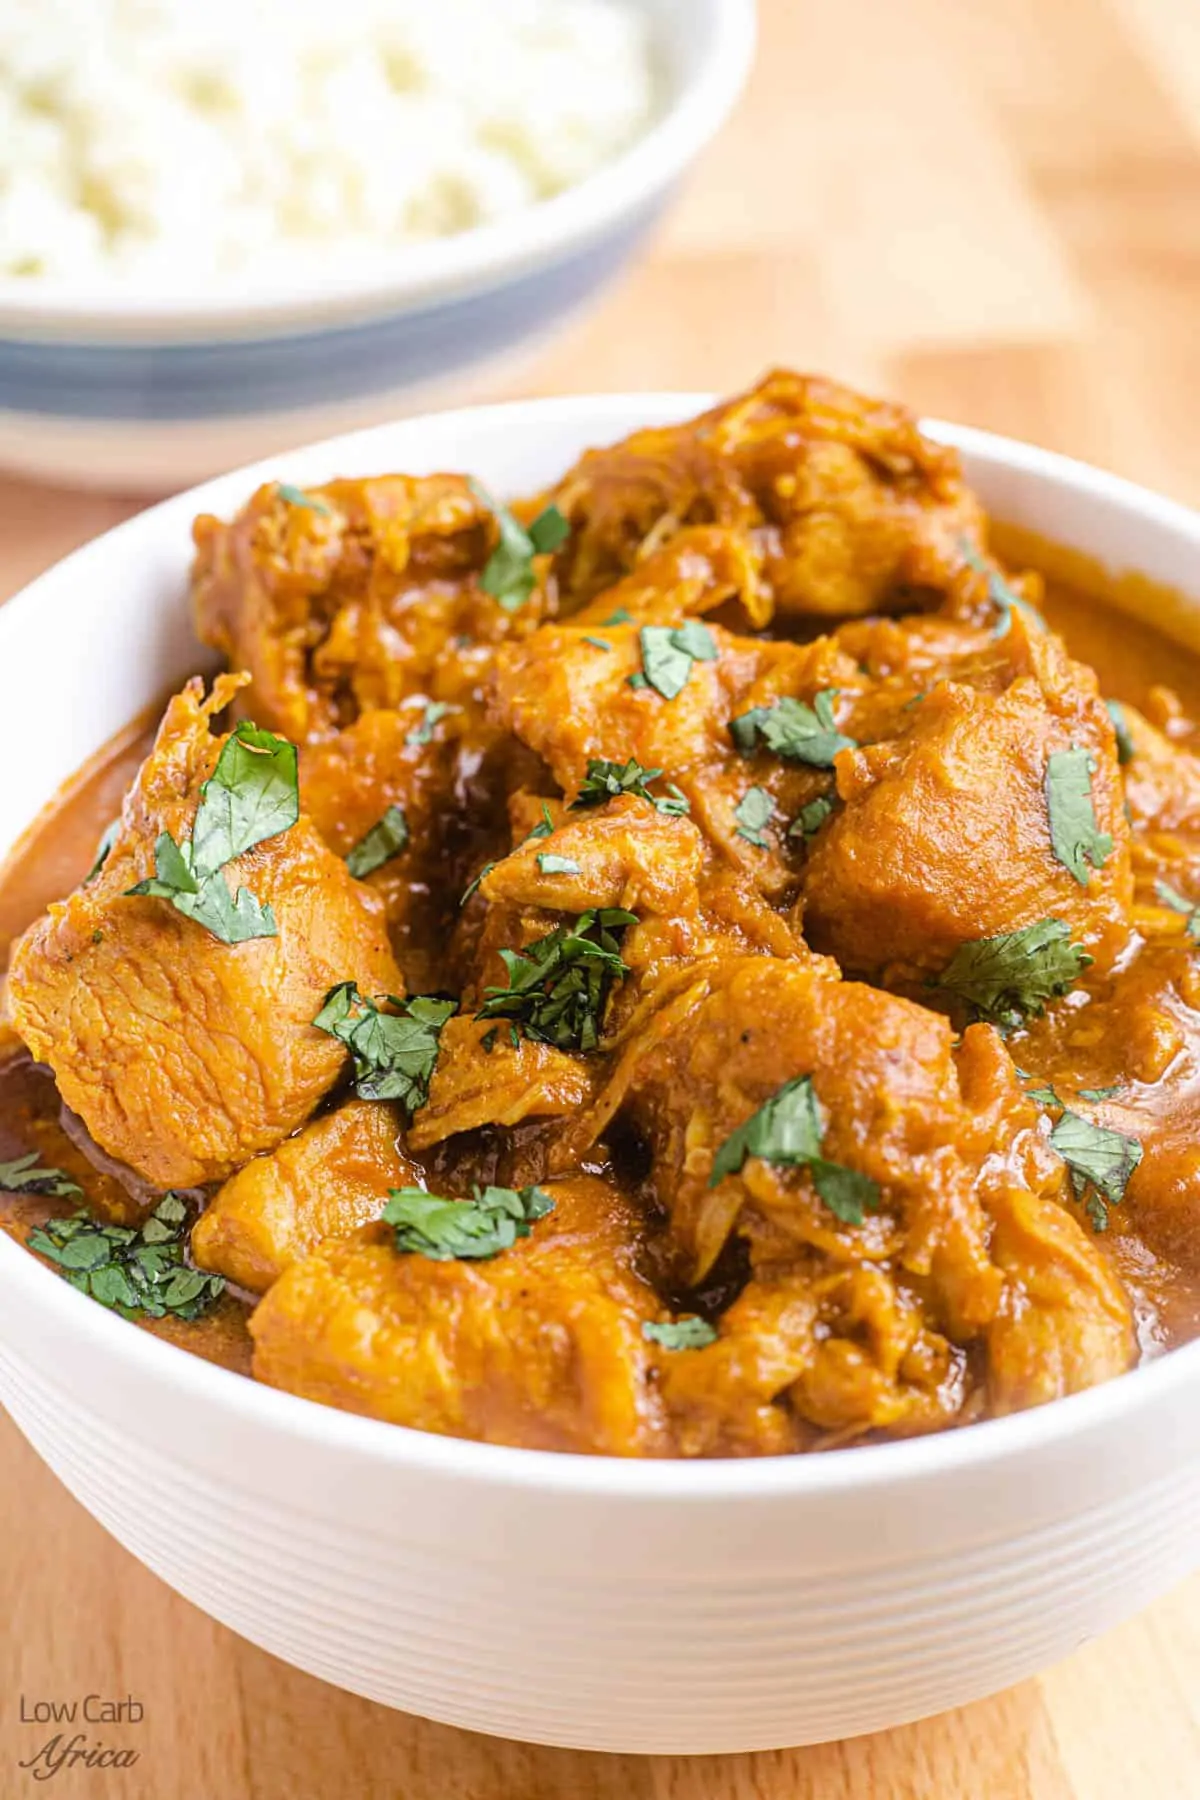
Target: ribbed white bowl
point(642, 1607)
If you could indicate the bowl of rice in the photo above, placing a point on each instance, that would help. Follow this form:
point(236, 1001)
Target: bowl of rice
point(230, 228)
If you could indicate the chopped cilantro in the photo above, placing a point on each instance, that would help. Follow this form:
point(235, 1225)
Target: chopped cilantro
point(1100, 1160)
point(1003, 597)
point(395, 1053)
point(24, 1176)
point(1074, 834)
point(103, 850)
point(1044, 1095)
point(1011, 976)
point(668, 653)
point(487, 1042)
point(558, 986)
point(1177, 903)
point(788, 1129)
point(688, 1333)
point(143, 1271)
point(295, 496)
point(598, 643)
point(622, 616)
point(427, 1225)
point(386, 838)
point(753, 813)
point(794, 730)
point(509, 575)
point(435, 710)
point(473, 887)
point(544, 826)
point(605, 780)
point(550, 864)
point(1125, 746)
point(252, 794)
point(810, 818)
point(1103, 1093)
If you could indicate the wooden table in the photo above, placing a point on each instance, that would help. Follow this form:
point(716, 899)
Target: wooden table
point(988, 208)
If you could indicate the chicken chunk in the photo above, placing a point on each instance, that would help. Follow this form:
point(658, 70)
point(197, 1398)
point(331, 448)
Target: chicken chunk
point(542, 1346)
point(483, 1078)
point(326, 1182)
point(356, 597)
point(853, 509)
point(907, 1203)
point(946, 833)
point(184, 1055)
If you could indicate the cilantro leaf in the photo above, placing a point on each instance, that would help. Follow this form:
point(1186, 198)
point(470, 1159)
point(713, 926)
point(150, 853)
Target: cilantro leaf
point(753, 812)
point(509, 575)
point(1003, 597)
point(252, 794)
point(427, 1225)
point(550, 864)
point(134, 1272)
point(810, 818)
point(103, 850)
point(558, 986)
point(1011, 976)
point(395, 1053)
point(295, 496)
point(794, 730)
point(25, 1176)
point(606, 780)
point(1100, 1160)
point(1074, 835)
point(668, 653)
point(688, 1333)
point(435, 710)
point(787, 1129)
point(622, 616)
point(1125, 746)
point(1177, 903)
point(597, 643)
point(386, 838)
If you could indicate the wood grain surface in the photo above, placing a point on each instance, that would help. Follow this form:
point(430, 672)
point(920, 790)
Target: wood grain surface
point(991, 209)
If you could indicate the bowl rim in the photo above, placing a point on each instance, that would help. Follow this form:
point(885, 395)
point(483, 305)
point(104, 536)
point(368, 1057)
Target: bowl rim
point(110, 1339)
point(485, 257)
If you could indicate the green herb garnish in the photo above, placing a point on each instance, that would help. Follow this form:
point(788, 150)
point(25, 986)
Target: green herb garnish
point(1007, 978)
point(622, 616)
point(810, 818)
point(794, 730)
point(1104, 1093)
point(606, 780)
point(753, 812)
point(423, 733)
point(1125, 744)
point(550, 864)
point(472, 887)
point(688, 1333)
point(558, 986)
point(1178, 903)
point(395, 1053)
point(1003, 597)
point(668, 653)
point(1100, 1160)
point(103, 850)
point(787, 1129)
point(386, 838)
point(295, 496)
point(24, 1176)
point(427, 1225)
point(252, 794)
point(135, 1272)
point(597, 643)
point(509, 575)
point(1076, 838)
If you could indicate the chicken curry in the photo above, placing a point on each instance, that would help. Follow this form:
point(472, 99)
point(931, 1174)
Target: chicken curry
point(700, 962)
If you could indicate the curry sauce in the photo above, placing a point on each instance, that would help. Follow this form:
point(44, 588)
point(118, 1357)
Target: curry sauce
point(702, 963)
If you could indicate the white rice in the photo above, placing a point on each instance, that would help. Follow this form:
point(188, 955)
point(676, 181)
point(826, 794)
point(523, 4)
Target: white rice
point(173, 144)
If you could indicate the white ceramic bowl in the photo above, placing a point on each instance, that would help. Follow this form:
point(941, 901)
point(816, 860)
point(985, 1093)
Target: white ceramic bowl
point(121, 390)
point(573, 1600)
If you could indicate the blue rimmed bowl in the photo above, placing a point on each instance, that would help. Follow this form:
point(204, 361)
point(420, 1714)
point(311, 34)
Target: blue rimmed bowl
point(120, 390)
